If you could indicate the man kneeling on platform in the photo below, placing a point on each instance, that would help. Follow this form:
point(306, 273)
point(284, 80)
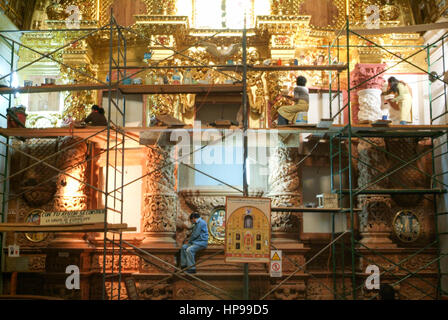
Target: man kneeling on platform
point(198, 241)
point(289, 114)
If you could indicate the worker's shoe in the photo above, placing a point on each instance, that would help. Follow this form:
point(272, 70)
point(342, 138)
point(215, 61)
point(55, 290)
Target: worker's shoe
point(191, 271)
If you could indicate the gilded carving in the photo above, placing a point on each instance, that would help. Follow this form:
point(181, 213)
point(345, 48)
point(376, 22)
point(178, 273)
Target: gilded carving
point(422, 263)
point(151, 265)
point(18, 213)
point(160, 213)
point(36, 263)
point(375, 220)
point(130, 263)
point(160, 291)
point(290, 292)
point(112, 291)
point(185, 293)
point(284, 188)
point(160, 199)
point(372, 164)
point(315, 290)
point(292, 262)
point(76, 102)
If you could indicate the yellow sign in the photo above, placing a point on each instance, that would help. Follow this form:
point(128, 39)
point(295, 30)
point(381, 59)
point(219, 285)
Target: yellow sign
point(275, 257)
point(248, 230)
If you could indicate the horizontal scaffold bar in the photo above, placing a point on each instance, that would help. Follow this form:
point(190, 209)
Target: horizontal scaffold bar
point(395, 191)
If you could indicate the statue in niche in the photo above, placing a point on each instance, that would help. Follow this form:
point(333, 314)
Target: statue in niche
point(248, 222)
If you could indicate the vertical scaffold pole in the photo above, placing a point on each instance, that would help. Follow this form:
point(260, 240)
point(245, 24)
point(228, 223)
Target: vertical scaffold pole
point(350, 169)
point(433, 182)
point(120, 254)
point(106, 193)
point(330, 82)
point(5, 175)
point(245, 126)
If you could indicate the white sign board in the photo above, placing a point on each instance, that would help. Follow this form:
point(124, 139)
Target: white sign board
point(276, 263)
point(14, 251)
point(72, 217)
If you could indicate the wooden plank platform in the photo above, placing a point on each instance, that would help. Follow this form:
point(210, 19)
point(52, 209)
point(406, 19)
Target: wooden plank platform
point(180, 88)
point(303, 209)
point(98, 136)
point(26, 297)
point(326, 67)
point(97, 227)
point(396, 191)
point(402, 29)
point(54, 88)
point(131, 88)
point(410, 127)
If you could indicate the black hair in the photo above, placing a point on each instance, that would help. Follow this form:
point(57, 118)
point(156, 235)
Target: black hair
point(393, 82)
point(96, 108)
point(301, 81)
point(194, 215)
point(387, 292)
point(101, 110)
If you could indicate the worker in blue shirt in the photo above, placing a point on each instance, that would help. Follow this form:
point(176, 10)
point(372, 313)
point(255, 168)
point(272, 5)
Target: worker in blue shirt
point(198, 241)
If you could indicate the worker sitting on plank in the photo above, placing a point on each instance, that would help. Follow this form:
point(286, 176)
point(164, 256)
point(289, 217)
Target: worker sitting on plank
point(198, 241)
point(288, 114)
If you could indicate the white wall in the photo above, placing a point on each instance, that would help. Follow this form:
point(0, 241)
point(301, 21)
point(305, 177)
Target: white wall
point(441, 163)
point(134, 107)
point(132, 196)
point(317, 180)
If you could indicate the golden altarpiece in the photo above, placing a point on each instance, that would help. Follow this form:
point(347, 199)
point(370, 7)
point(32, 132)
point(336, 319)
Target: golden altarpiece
point(277, 29)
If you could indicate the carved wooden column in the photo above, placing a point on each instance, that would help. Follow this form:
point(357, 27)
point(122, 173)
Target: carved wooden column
point(376, 215)
point(160, 199)
point(376, 220)
point(366, 99)
point(284, 191)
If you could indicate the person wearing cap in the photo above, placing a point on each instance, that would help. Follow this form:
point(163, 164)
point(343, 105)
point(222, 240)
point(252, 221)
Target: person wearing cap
point(198, 241)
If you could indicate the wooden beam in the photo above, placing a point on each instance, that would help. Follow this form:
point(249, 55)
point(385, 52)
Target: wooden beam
point(54, 88)
point(97, 227)
point(301, 209)
point(402, 29)
point(331, 67)
point(181, 88)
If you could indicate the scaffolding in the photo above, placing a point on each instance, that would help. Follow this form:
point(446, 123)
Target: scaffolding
point(111, 140)
point(384, 141)
point(342, 139)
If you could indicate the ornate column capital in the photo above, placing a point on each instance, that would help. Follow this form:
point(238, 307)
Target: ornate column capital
point(376, 220)
point(365, 71)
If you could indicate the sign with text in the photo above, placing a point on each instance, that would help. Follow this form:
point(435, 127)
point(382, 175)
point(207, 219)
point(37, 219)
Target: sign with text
point(72, 217)
point(276, 263)
point(248, 230)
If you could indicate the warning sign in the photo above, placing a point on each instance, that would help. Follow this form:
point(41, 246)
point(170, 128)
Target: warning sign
point(276, 263)
point(276, 257)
